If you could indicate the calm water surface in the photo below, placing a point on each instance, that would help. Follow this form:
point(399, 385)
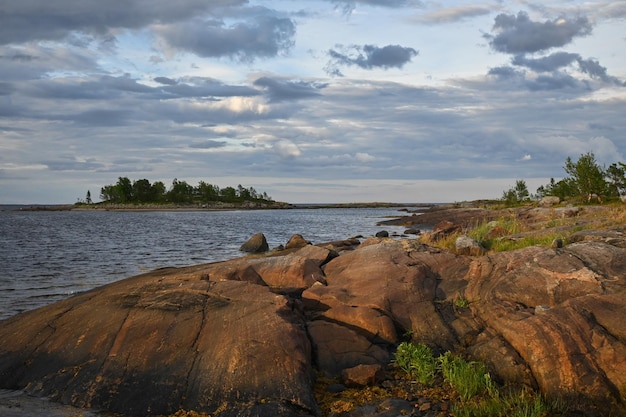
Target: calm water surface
point(49, 256)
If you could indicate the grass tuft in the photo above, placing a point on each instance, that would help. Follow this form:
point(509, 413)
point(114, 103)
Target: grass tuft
point(418, 361)
point(477, 393)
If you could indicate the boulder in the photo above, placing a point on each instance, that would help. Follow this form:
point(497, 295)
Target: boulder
point(412, 231)
point(256, 244)
point(382, 233)
point(465, 245)
point(362, 375)
point(445, 228)
point(296, 241)
point(293, 271)
point(496, 231)
point(336, 347)
point(549, 201)
point(386, 278)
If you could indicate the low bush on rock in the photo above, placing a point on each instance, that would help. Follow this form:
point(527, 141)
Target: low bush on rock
point(475, 391)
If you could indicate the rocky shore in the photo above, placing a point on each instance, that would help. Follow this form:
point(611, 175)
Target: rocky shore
point(311, 330)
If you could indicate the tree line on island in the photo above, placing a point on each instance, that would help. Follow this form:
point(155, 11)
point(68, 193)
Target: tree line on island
point(587, 182)
point(125, 191)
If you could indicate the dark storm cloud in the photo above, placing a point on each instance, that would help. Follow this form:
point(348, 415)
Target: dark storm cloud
point(595, 70)
point(517, 34)
point(369, 57)
point(23, 21)
point(261, 36)
point(165, 81)
point(557, 81)
point(548, 63)
point(505, 73)
point(279, 90)
point(559, 60)
point(208, 144)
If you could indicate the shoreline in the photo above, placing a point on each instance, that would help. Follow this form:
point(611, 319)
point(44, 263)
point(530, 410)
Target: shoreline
point(206, 207)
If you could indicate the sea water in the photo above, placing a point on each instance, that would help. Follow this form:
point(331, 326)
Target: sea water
point(47, 256)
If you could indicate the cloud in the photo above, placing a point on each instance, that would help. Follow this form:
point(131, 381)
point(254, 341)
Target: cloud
point(202, 87)
point(595, 70)
point(558, 60)
point(24, 21)
point(286, 149)
point(165, 81)
point(71, 163)
point(348, 6)
point(548, 63)
point(369, 57)
point(208, 144)
point(452, 14)
point(261, 36)
point(280, 89)
point(518, 34)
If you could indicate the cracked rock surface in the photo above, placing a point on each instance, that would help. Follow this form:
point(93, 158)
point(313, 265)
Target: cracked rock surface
point(246, 337)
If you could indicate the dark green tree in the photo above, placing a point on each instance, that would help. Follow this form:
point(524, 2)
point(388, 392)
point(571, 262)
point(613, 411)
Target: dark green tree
point(142, 191)
point(228, 194)
point(107, 193)
point(616, 175)
point(587, 176)
point(158, 192)
point(207, 192)
point(242, 192)
point(181, 192)
point(517, 194)
point(88, 197)
point(124, 190)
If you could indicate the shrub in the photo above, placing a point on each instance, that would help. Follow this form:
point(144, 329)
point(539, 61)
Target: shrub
point(417, 361)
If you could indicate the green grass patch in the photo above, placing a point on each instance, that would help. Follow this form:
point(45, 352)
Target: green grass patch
point(418, 361)
point(476, 392)
point(497, 236)
point(467, 378)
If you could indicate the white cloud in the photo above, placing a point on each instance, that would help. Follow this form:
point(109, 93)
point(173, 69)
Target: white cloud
point(286, 149)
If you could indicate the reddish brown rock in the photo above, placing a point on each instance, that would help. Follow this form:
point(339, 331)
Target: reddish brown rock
point(296, 241)
point(572, 344)
point(385, 278)
point(465, 245)
point(337, 347)
point(362, 375)
point(222, 337)
point(290, 272)
point(256, 244)
point(445, 228)
point(156, 343)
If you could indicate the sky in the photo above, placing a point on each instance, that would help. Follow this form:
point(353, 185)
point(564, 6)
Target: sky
point(311, 101)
